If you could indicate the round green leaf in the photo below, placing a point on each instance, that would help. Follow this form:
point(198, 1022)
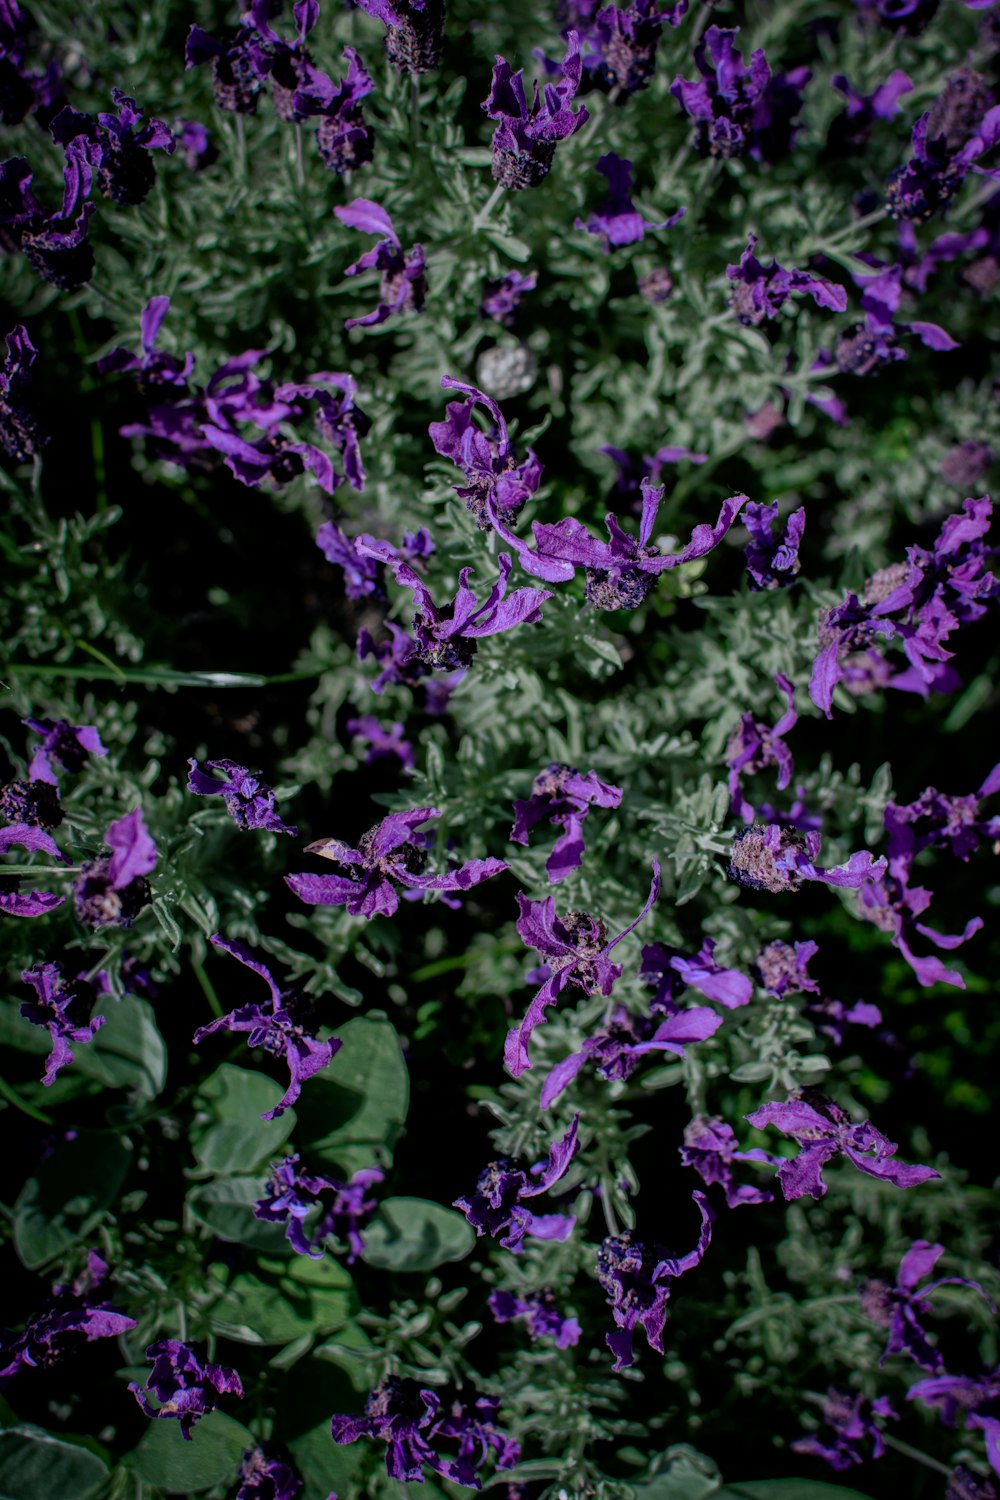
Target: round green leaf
point(326, 1467)
point(165, 1460)
point(353, 1111)
point(65, 1199)
point(34, 1465)
point(128, 1052)
point(225, 1206)
point(413, 1234)
point(235, 1139)
point(276, 1310)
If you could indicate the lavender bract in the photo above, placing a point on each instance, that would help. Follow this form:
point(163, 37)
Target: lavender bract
point(35, 903)
point(112, 891)
point(710, 1148)
point(541, 1316)
point(264, 1477)
point(403, 285)
point(755, 746)
point(118, 148)
point(723, 102)
point(617, 221)
point(637, 1279)
point(345, 1207)
point(770, 857)
point(249, 801)
point(66, 1008)
point(761, 291)
point(497, 1203)
point(63, 744)
point(495, 481)
point(184, 1386)
point(852, 1420)
point(902, 1307)
point(772, 560)
point(76, 1312)
point(526, 137)
point(563, 796)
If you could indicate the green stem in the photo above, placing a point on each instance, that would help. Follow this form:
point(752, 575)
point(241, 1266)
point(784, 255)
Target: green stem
point(214, 1003)
point(40, 869)
point(915, 1453)
point(817, 247)
point(159, 676)
point(13, 1097)
point(415, 108)
point(482, 217)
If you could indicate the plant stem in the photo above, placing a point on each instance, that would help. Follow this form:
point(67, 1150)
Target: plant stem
point(484, 213)
point(214, 1003)
point(415, 108)
point(915, 1453)
point(13, 1097)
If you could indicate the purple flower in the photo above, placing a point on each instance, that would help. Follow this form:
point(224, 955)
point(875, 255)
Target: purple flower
point(963, 1484)
point(387, 856)
point(266, 1478)
point(55, 245)
point(754, 746)
point(119, 151)
point(495, 481)
point(962, 1394)
point(413, 1420)
point(852, 1420)
point(563, 796)
point(194, 140)
point(710, 1148)
point(288, 64)
point(936, 820)
point(344, 140)
point(541, 1316)
point(525, 139)
point(249, 802)
point(621, 44)
point(670, 971)
point(947, 142)
point(33, 802)
point(337, 418)
point(22, 92)
point(761, 291)
point(20, 435)
point(184, 1387)
point(770, 857)
point(414, 38)
point(849, 131)
point(497, 1203)
point(65, 744)
point(723, 102)
point(901, 1308)
point(772, 562)
point(114, 890)
point(74, 1313)
point(36, 903)
point(503, 298)
point(615, 1050)
point(345, 1207)
point(783, 969)
point(283, 1026)
point(65, 1007)
point(239, 66)
point(576, 949)
point(403, 285)
point(617, 221)
point(822, 1130)
point(637, 1280)
point(383, 744)
point(152, 368)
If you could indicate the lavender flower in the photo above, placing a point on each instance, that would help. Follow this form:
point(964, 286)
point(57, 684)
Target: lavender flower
point(383, 744)
point(266, 1478)
point(782, 969)
point(74, 1313)
point(637, 1280)
point(403, 285)
point(344, 140)
point(576, 949)
point(153, 369)
point(710, 1148)
point(617, 221)
point(541, 1316)
point(497, 1203)
point(503, 298)
point(20, 435)
point(67, 745)
point(114, 890)
point(525, 139)
point(822, 1130)
point(387, 856)
point(723, 102)
point(36, 903)
point(936, 820)
point(563, 796)
point(770, 857)
point(283, 1026)
point(239, 66)
point(249, 802)
point(760, 291)
point(65, 1007)
point(754, 746)
point(184, 1387)
point(947, 142)
point(974, 1399)
point(849, 131)
point(772, 562)
point(414, 37)
point(33, 802)
point(901, 1308)
point(621, 43)
point(55, 245)
point(617, 1047)
point(852, 1420)
point(289, 65)
point(495, 481)
point(670, 971)
point(119, 151)
point(345, 1207)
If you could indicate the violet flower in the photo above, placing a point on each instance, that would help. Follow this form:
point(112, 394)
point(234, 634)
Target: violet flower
point(76, 1312)
point(345, 1207)
point(541, 1316)
point(115, 889)
point(761, 291)
point(710, 1148)
point(901, 1308)
point(621, 42)
point(503, 298)
point(383, 743)
point(33, 802)
point(120, 147)
point(65, 1007)
point(754, 746)
point(501, 1189)
point(338, 419)
point(617, 1047)
point(822, 1130)
point(249, 802)
point(525, 139)
point(184, 1387)
point(850, 130)
point(22, 92)
point(34, 903)
point(852, 1420)
point(67, 745)
point(342, 136)
point(770, 857)
point(387, 856)
point(575, 949)
point(413, 1421)
point(21, 438)
point(414, 38)
point(975, 1400)
point(266, 1478)
point(55, 245)
point(637, 1280)
point(936, 820)
point(495, 481)
point(239, 66)
point(153, 369)
point(947, 143)
point(772, 560)
point(617, 221)
point(403, 285)
point(289, 66)
point(670, 971)
point(782, 969)
point(722, 103)
point(563, 796)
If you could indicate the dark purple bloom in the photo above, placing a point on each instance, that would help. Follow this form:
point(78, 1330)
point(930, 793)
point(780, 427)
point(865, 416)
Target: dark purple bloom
point(710, 1148)
point(772, 559)
point(852, 1420)
point(266, 1478)
point(20, 435)
point(975, 1400)
point(617, 221)
point(902, 1307)
point(782, 969)
point(723, 102)
point(194, 140)
point(120, 147)
point(344, 1207)
point(387, 856)
point(563, 796)
point(239, 66)
point(495, 481)
point(637, 1280)
point(284, 1026)
point(35, 903)
point(249, 801)
point(761, 291)
point(525, 140)
point(575, 949)
point(670, 971)
point(754, 746)
point(337, 418)
point(55, 245)
point(114, 890)
point(33, 802)
point(74, 1313)
point(963, 1484)
point(822, 1130)
point(617, 1047)
point(362, 575)
point(541, 1316)
point(621, 41)
point(413, 1421)
point(775, 119)
point(893, 905)
point(414, 36)
point(383, 744)
point(403, 285)
point(66, 1008)
point(947, 142)
point(184, 1387)
point(153, 369)
point(343, 137)
point(289, 66)
point(849, 131)
point(769, 857)
point(67, 745)
point(936, 820)
point(503, 298)
point(497, 1203)
point(22, 92)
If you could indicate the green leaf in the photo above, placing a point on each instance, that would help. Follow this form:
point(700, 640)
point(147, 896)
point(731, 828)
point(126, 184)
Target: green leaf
point(326, 1467)
point(682, 1473)
point(509, 244)
point(35, 1465)
point(353, 1111)
point(168, 1462)
point(278, 1309)
point(128, 1052)
point(235, 1139)
point(226, 1208)
point(64, 1200)
point(413, 1234)
point(787, 1489)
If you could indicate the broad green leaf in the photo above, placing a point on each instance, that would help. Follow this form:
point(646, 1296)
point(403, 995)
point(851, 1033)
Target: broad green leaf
point(35, 1465)
point(325, 1467)
point(168, 1462)
point(15, 1031)
point(276, 1310)
point(413, 1234)
point(64, 1200)
point(128, 1052)
point(353, 1111)
point(235, 1139)
point(225, 1206)
point(787, 1489)
point(683, 1474)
